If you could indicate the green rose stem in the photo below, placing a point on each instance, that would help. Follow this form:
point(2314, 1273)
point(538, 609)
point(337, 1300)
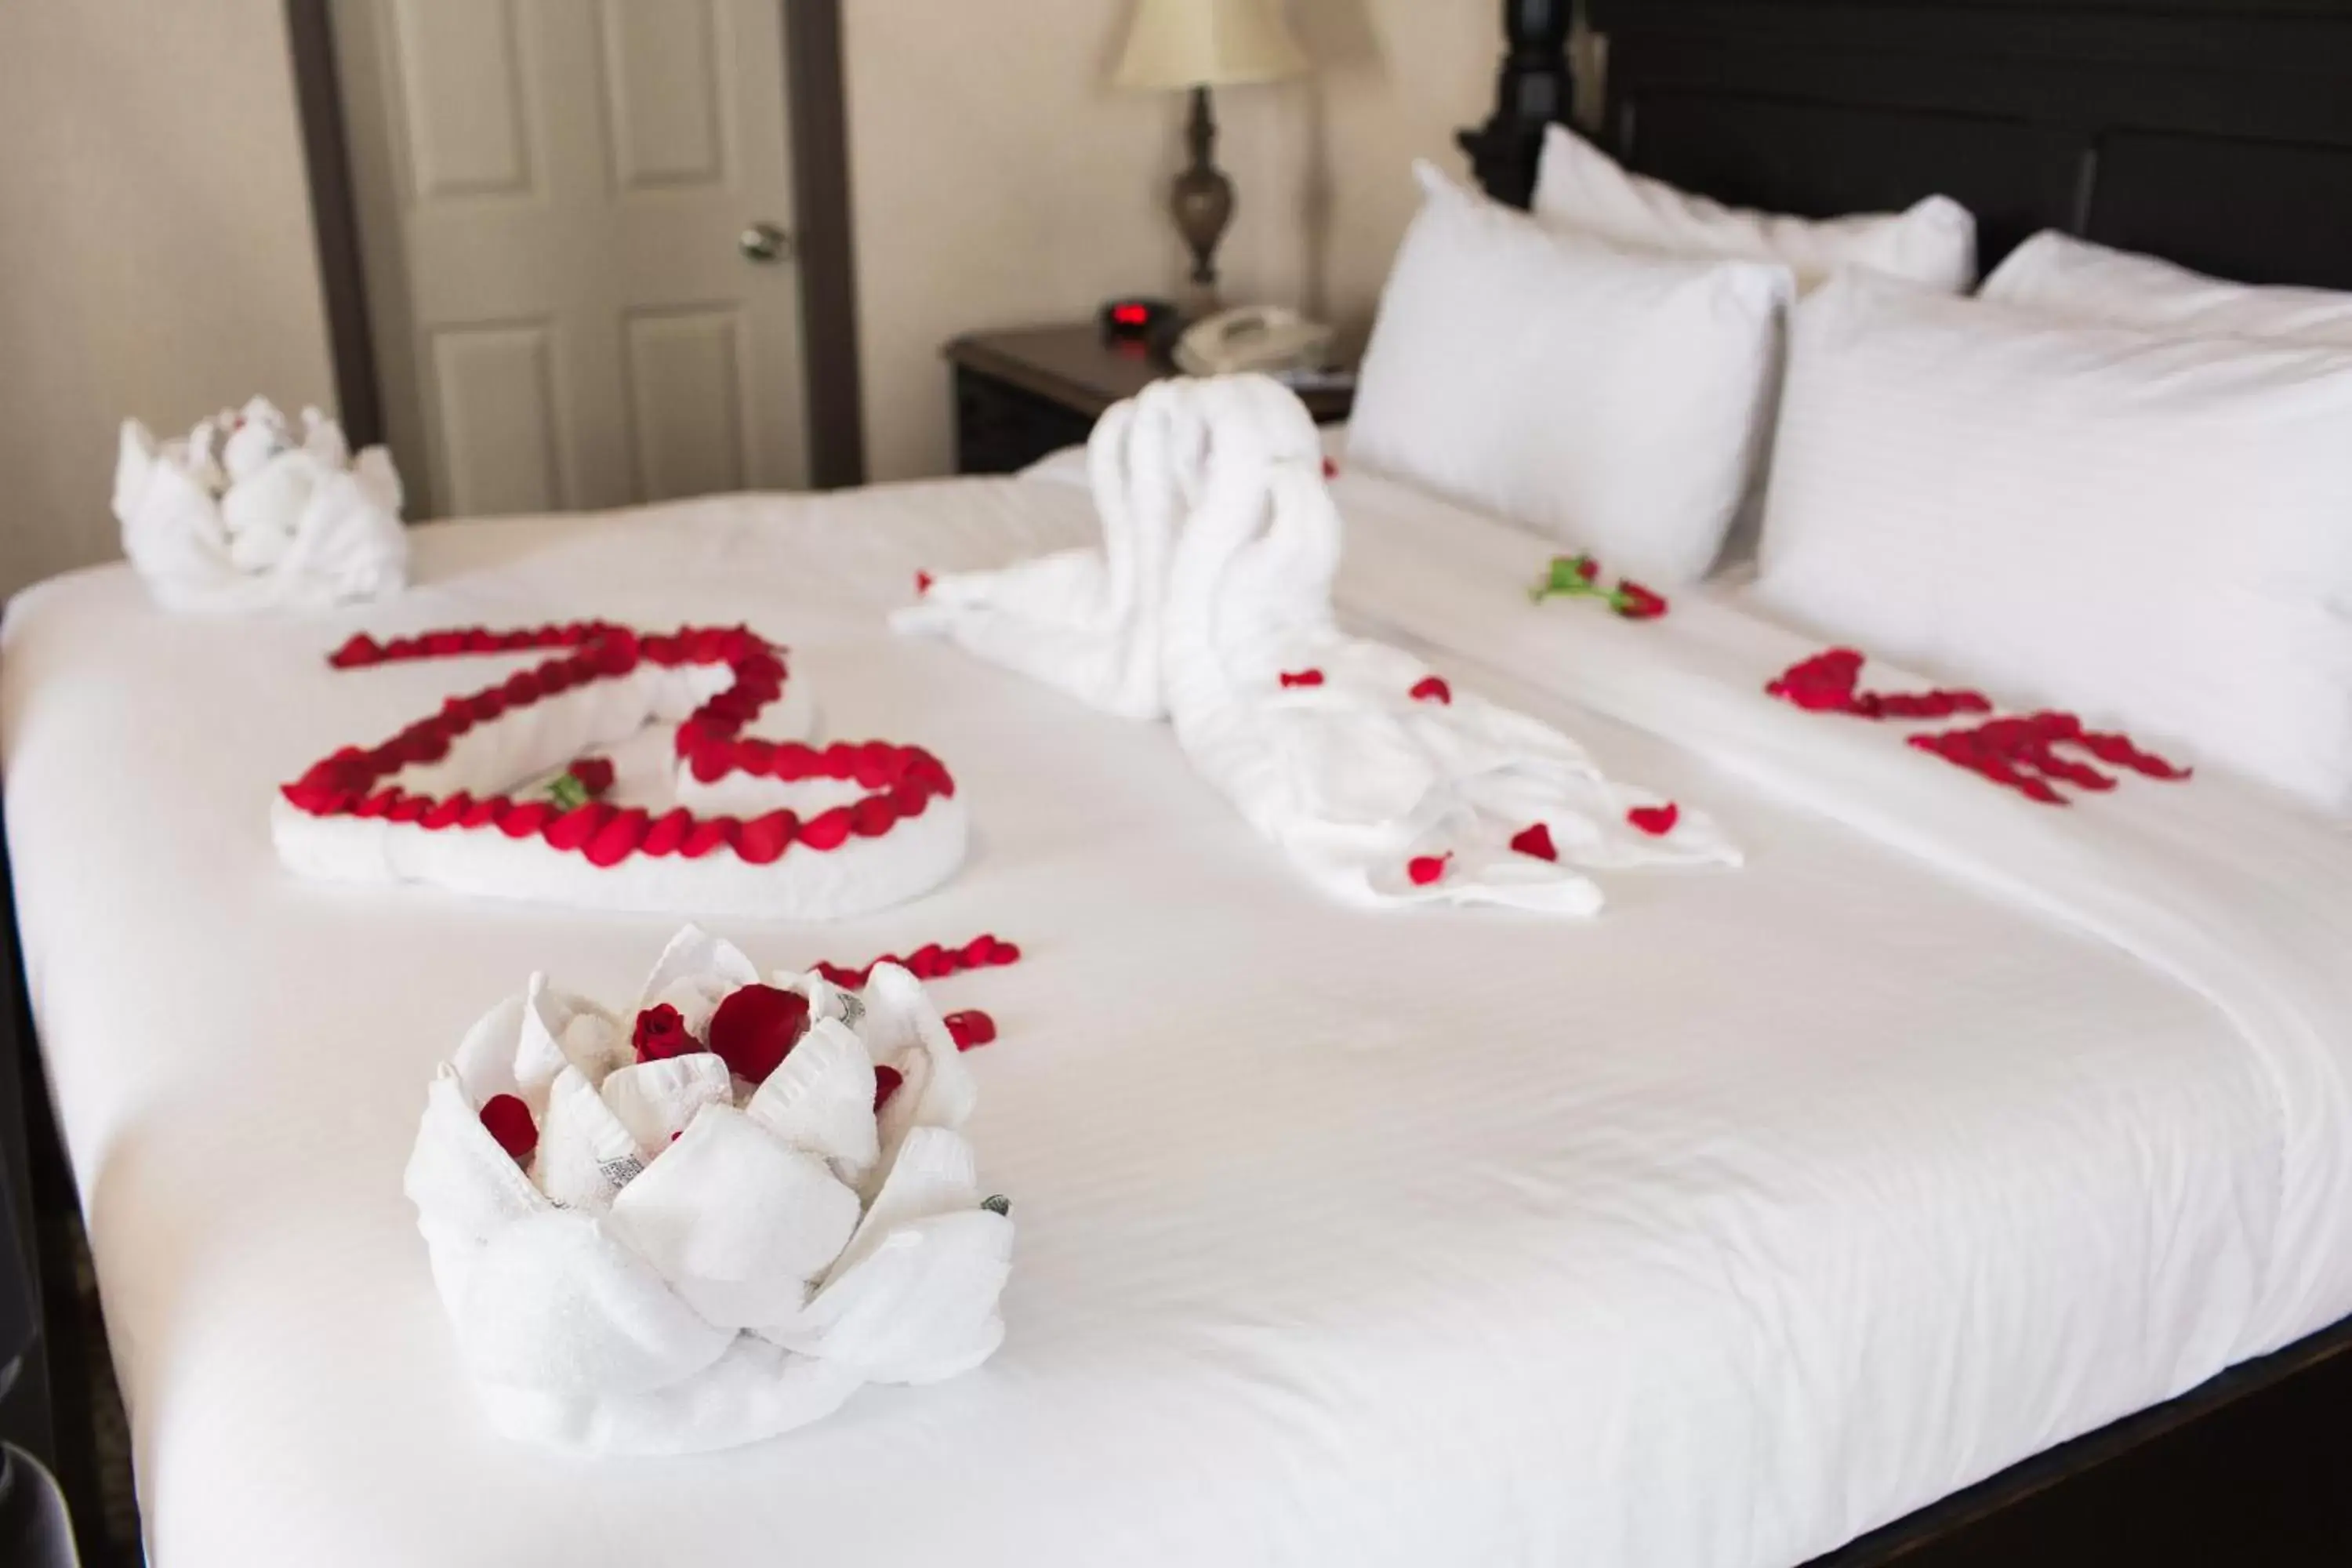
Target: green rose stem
point(568, 792)
point(1571, 576)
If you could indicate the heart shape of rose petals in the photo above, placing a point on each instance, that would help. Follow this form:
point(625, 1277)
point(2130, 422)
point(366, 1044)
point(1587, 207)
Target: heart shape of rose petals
point(867, 824)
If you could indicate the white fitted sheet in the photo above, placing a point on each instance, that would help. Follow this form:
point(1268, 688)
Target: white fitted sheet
point(1763, 1209)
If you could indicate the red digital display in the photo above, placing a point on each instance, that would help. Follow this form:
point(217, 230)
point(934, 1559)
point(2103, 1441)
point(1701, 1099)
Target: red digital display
point(1129, 315)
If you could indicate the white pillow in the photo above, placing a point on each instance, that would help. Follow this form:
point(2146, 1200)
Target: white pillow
point(1578, 184)
point(2155, 533)
point(1609, 401)
point(2076, 278)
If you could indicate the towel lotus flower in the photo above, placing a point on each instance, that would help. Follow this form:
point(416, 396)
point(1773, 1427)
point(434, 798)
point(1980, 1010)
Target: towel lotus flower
point(711, 1220)
point(246, 511)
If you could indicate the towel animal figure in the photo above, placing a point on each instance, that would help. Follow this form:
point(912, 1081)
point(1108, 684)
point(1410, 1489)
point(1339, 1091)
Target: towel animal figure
point(1383, 784)
point(245, 513)
point(1086, 621)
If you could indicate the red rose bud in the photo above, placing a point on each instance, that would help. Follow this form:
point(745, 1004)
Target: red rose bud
point(1636, 603)
point(1427, 868)
point(594, 773)
point(756, 1027)
point(508, 1119)
point(886, 1084)
point(661, 1034)
point(971, 1028)
point(1585, 568)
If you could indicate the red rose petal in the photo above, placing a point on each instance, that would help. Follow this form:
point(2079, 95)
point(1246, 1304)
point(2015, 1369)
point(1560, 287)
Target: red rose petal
point(1536, 841)
point(827, 830)
point(575, 829)
point(1427, 868)
point(666, 832)
point(507, 1121)
point(618, 839)
point(1657, 821)
point(1302, 678)
point(971, 1028)
point(923, 580)
point(886, 1081)
point(1430, 689)
point(756, 1027)
point(1330, 470)
point(872, 816)
point(763, 838)
point(526, 818)
point(361, 651)
point(707, 834)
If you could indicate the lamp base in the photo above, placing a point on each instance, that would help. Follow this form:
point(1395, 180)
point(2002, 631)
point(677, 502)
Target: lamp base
point(1202, 199)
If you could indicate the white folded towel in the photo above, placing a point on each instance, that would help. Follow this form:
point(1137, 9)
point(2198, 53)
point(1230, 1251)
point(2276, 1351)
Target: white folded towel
point(1383, 784)
point(1088, 621)
point(617, 1289)
point(243, 513)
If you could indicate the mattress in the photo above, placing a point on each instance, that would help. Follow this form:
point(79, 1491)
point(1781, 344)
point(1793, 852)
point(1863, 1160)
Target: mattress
point(1764, 1208)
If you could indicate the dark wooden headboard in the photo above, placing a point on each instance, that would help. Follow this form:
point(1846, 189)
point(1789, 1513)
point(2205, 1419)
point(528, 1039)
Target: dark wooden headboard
point(2216, 132)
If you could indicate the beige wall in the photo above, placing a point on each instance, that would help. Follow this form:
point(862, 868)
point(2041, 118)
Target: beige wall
point(156, 253)
point(156, 250)
point(999, 182)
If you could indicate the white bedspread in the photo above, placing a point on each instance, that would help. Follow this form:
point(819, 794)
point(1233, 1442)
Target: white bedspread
point(1761, 1210)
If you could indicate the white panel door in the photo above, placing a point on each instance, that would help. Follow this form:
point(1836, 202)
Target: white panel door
point(553, 197)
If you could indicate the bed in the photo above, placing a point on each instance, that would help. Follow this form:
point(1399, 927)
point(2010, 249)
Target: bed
point(1776, 1215)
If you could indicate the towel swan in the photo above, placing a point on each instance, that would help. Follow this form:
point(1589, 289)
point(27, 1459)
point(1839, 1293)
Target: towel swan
point(1383, 785)
point(1086, 621)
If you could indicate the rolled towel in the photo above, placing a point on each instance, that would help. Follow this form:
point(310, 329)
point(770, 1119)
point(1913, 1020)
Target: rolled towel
point(244, 513)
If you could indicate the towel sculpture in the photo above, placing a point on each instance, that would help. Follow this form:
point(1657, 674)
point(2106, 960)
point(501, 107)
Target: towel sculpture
point(1210, 602)
point(244, 513)
point(658, 771)
point(714, 1226)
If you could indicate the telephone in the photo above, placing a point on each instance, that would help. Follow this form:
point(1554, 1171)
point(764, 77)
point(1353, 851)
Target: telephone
point(1254, 337)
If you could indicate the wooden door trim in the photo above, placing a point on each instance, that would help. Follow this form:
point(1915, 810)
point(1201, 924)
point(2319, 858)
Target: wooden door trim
point(817, 109)
point(816, 104)
point(335, 220)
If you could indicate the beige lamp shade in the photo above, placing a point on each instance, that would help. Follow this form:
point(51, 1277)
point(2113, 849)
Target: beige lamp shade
point(1207, 42)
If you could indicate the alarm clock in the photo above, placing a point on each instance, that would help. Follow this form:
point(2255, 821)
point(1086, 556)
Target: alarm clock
point(1136, 319)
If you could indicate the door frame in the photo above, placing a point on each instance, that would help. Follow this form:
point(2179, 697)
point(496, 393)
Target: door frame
point(816, 109)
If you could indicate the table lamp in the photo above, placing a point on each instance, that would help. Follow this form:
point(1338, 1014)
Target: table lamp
point(1202, 43)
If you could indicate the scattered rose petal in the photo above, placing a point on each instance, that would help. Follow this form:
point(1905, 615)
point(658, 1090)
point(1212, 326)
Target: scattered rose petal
point(1430, 689)
point(886, 1081)
point(1536, 841)
point(1636, 603)
point(923, 580)
point(1302, 678)
point(1330, 470)
point(971, 1028)
point(1657, 821)
point(1427, 868)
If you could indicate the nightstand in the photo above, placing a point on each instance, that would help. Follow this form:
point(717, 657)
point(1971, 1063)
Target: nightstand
point(1021, 395)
